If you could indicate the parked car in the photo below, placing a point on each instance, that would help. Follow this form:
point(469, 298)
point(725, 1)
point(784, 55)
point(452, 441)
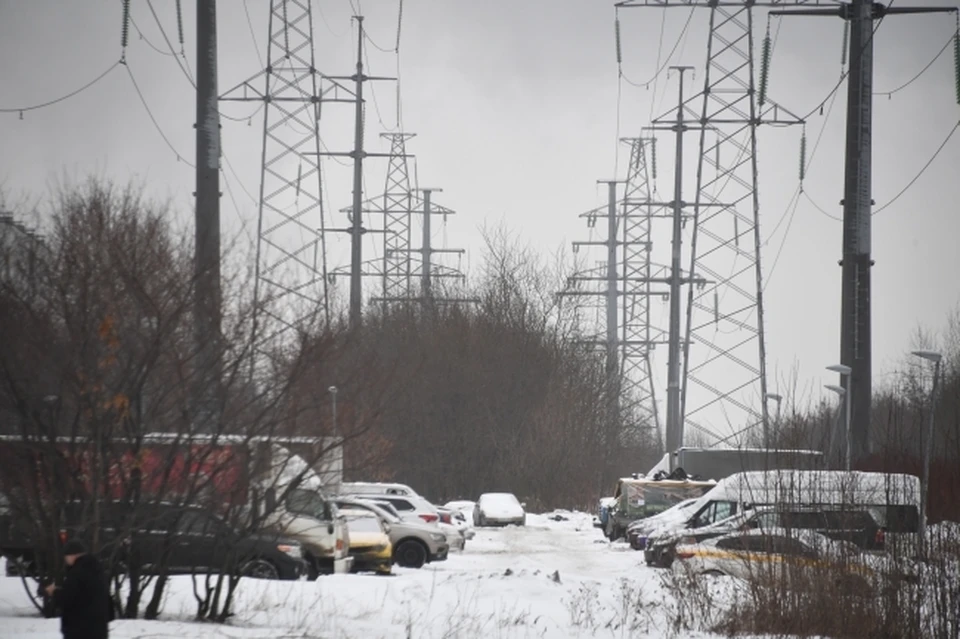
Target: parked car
point(854, 526)
point(640, 531)
point(415, 543)
point(193, 540)
point(465, 506)
point(410, 507)
point(458, 520)
point(370, 544)
point(778, 553)
point(499, 509)
point(376, 488)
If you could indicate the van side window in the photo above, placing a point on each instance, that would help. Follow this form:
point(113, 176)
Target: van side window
point(902, 519)
point(723, 509)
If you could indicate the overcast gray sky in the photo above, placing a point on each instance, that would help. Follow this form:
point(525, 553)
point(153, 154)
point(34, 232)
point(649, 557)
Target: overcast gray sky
point(515, 106)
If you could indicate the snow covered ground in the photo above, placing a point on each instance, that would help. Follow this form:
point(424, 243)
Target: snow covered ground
point(548, 579)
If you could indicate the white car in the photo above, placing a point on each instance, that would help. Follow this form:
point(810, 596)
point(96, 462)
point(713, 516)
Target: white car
point(499, 509)
point(774, 551)
point(376, 488)
point(410, 507)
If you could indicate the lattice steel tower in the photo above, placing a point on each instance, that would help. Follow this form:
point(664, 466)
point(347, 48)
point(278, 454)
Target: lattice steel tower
point(291, 265)
point(626, 280)
point(724, 357)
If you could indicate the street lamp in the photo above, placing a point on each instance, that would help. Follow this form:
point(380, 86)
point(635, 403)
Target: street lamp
point(333, 394)
point(777, 398)
point(845, 371)
point(842, 392)
point(935, 357)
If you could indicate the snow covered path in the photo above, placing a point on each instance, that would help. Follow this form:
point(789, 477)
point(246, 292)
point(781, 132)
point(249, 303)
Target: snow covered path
point(548, 579)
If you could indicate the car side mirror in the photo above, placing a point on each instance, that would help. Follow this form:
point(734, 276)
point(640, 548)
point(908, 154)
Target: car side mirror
point(523, 504)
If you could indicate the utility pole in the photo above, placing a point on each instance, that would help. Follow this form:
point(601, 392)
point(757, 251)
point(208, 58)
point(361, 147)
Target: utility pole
point(207, 221)
point(428, 270)
point(674, 439)
point(612, 306)
point(356, 228)
point(427, 249)
point(855, 310)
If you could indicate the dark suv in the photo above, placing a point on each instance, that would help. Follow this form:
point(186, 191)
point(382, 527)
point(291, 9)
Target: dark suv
point(856, 526)
point(183, 539)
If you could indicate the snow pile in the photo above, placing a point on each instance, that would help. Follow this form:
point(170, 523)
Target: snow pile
point(555, 577)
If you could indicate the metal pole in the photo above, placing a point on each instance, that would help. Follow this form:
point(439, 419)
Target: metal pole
point(356, 229)
point(613, 368)
point(855, 340)
point(927, 454)
point(426, 251)
point(848, 404)
point(333, 393)
point(207, 218)
point(674, 420)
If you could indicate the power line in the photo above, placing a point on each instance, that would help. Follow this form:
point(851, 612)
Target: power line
point(176, 56)
point(147, 40)
point(41, 105)
point(253, 37)
point(643, 85)
point(836, 218)
point(923, 170)
point(146, 106)
point(922, 71)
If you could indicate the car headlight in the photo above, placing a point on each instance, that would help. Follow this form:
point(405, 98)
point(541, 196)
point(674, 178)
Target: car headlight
point(294, 551)
point(437, 536)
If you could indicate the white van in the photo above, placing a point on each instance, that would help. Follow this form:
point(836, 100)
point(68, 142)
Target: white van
point(892, 499)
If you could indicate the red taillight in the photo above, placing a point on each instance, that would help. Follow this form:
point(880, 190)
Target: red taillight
point(339, 544)
point(684, 554)
point(445, 518)
point(881, 537)
point(429, 518)
point(63, 536)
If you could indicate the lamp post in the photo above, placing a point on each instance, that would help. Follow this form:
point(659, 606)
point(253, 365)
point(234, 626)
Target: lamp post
point(842, 392)
point(845, 372)
point(935, 357)
point(333, 394)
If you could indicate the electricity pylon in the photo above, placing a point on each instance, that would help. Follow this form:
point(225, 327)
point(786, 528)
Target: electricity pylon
point(626, 280)
point(291, 262)
point(398, 204)
point(723, 379)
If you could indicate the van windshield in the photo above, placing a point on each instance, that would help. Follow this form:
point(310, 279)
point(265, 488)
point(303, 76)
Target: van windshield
point(309, 504)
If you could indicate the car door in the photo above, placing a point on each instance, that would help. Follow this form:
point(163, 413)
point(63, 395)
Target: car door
point(202, 541)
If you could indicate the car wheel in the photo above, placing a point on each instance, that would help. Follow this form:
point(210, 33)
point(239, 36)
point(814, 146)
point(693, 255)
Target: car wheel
point(259, 569)
point(410, 554)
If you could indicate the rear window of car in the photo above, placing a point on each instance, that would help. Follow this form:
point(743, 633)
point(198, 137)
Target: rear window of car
point(400, 504)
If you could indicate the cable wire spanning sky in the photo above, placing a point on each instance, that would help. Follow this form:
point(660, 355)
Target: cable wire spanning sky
point(517, 107)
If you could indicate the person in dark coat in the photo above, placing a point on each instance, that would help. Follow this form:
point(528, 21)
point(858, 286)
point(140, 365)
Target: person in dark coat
point(84, 597)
